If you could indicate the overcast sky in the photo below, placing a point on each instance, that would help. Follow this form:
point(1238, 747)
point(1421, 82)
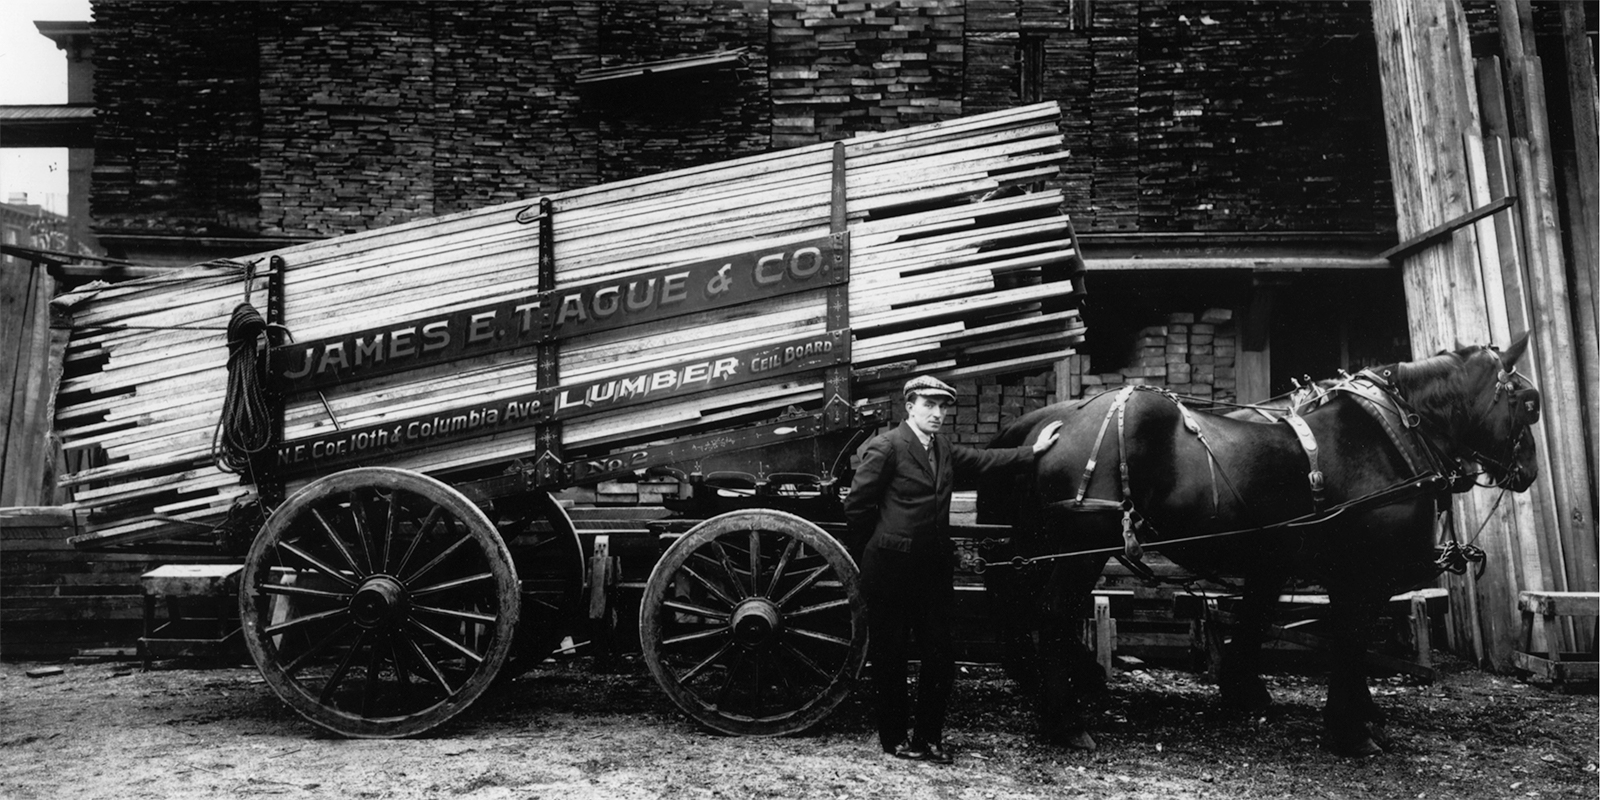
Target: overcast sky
point(33, 71)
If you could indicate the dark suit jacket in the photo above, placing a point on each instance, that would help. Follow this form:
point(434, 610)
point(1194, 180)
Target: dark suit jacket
point(897, 499)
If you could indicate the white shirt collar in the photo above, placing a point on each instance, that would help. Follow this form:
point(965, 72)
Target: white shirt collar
point(924, 438)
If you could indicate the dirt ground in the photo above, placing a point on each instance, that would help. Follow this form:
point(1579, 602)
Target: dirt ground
point(571, 731)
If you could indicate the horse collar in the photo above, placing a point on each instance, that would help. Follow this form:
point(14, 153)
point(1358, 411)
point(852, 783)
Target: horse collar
point(1382, 400)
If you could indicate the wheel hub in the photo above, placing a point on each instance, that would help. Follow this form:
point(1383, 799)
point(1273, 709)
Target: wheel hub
point(755, 621)
point(380, 599)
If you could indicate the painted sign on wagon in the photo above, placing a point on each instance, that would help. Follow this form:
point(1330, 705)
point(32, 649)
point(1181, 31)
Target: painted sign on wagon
point(769, 270)
point(494, 415)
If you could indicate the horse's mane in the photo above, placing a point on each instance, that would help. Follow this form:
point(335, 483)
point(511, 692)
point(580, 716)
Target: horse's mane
point(1436, 386)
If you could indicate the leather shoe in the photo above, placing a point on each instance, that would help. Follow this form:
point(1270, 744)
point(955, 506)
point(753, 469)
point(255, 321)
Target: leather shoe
point(910, 751)
point(938, 754)
point(919, 751)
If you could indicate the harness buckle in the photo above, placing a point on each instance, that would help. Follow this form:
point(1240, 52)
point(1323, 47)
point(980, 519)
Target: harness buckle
point(1131, 549)
point(1316, 481)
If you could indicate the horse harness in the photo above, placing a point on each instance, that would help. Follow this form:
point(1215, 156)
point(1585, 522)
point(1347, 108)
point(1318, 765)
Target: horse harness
point(1432, 472)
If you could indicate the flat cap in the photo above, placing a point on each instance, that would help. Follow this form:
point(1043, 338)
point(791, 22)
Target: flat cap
point(929, 385)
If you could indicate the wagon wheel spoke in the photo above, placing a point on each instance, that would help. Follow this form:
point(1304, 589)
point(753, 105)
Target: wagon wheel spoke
point(805, 583)
point(755, 562)
point(843, 602)
point(465, 651)
point(817, 636)
point(389, 520)
point(439, 559)
point(365, 651)
point(735, 663)
point(317, 564)
point(300, 622)
point(699, 611)
point(433, 669)
point(789, 552)
point(805, 661)
point(338, 544)
point(322, 644)
point(709, 586)
point(344, 666)
point(363, 530)
point(435, 514)
point(463, 616)
point(288, 590)
point(402, 676)
point(697, 636)
point(369, 689)
point(686, 678)
point(453, 584)
point(728, 681)
point(727, 567)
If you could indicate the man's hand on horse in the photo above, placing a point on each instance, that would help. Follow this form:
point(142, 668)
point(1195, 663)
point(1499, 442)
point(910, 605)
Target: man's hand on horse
point(1047, 437)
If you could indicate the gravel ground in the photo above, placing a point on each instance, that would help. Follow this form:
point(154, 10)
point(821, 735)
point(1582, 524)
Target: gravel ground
point(569, 730)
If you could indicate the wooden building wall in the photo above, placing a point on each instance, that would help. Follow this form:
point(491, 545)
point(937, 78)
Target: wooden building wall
point(1468, 122)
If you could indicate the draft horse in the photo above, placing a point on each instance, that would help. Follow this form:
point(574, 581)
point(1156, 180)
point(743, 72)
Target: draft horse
point(1344, 494)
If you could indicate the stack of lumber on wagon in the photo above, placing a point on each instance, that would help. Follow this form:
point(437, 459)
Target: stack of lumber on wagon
point(959, 264)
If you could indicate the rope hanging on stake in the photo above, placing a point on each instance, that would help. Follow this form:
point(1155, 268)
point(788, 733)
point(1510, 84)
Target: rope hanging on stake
point(245, 426)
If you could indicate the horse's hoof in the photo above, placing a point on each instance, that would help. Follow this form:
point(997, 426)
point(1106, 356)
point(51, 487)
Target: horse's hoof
point(1363, 747)
point(1081, 741)
point(1379, 734)
point(1248, 697)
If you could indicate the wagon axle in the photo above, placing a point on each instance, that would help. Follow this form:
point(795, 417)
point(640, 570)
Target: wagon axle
point(755, 621)
point(381, 600)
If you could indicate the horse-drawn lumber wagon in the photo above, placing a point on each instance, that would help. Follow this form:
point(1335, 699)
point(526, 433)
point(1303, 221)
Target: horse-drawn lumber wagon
point(382, 439)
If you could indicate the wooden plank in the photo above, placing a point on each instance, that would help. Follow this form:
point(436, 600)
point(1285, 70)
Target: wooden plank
point(1565, 604)
point(648, 224)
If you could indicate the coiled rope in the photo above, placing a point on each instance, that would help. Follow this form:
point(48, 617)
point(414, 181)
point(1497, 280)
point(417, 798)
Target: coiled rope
point(245, 425)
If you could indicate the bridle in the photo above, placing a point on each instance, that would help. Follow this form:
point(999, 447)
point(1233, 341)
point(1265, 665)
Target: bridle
point(1503, 468)
point(1522, 406)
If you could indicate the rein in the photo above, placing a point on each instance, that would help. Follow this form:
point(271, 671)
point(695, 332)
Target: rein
point(1405, 490)
point(1435, 472)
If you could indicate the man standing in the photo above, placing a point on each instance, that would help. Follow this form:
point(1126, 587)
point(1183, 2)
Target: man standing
point(901, 498)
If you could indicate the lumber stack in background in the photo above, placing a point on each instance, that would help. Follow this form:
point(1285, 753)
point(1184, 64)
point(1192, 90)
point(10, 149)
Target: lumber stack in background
point(57, 600)
point(957, 267)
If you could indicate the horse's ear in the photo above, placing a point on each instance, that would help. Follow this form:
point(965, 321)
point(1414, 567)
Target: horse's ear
point(1512, 354)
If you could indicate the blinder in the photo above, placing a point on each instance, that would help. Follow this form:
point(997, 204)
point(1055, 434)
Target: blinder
point(1524, 403)
point(1525, 406)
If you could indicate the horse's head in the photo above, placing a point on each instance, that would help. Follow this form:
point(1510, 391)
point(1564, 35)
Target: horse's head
point(1482, 409)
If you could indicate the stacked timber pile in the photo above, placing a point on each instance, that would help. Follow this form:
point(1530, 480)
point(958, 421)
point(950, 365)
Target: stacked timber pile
point(1191, 355)
point(954, 267)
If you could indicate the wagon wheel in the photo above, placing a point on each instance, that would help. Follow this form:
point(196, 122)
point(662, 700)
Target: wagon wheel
point(549, 558)
point(753, 623)
point(379, 602)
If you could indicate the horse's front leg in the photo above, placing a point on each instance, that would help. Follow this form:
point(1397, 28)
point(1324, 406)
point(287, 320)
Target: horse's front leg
point(1068, 671)
point(1352, 721)
point(1239, 674)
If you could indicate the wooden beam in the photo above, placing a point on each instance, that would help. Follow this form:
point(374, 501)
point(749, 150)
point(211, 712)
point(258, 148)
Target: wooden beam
point(1438, 233)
